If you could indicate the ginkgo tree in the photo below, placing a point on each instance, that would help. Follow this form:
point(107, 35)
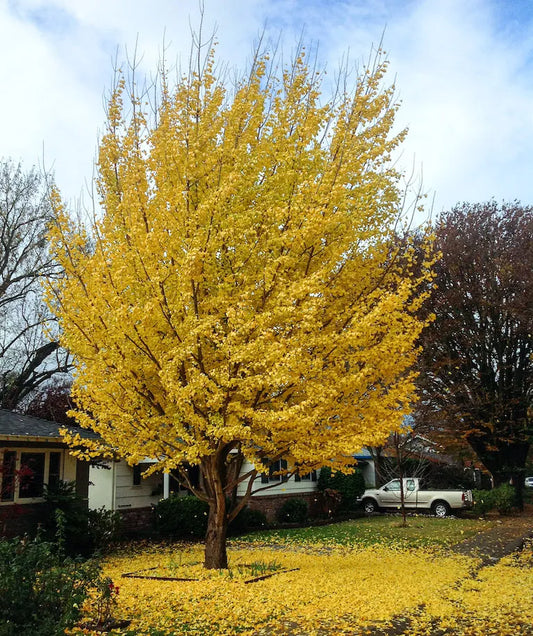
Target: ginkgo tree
point(241, 296)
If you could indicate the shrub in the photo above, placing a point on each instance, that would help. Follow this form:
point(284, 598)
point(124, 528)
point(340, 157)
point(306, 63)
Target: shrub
point(255, 519)
point(182, 517)
point(83, 531)
point(101, 606)
point(501, 499)
point(186, 517)
point(483, 502)
point(331, 501)
point(103, 527)
point(349, 486)
point(41, 590)
point(447, 476)
point(248, 519)
point(504, 498)
point(74, 514)
point(293, 511)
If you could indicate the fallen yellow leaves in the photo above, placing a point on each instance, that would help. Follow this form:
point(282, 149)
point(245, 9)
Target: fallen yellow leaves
point(499, 600)
point(336, 591)
point(342, 590)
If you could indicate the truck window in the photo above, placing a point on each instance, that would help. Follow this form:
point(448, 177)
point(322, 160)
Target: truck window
point(410, 484)
point(394, 485)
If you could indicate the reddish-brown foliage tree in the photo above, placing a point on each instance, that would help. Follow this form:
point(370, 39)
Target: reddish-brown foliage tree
point(477, 365)
point(52, 402)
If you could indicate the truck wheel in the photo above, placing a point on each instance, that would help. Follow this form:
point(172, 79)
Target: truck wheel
point(441, 509)
point(369, 506)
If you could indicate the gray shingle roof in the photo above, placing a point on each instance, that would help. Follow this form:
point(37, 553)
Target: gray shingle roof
point(28, 426)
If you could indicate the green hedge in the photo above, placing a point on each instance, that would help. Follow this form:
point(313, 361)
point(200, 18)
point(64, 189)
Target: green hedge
point(84, 531)
point(501, 499)
point(349, 486)
point(293, 511)
point(41, 590)
point(186, 517)
point(248, 520)
point(182, 517)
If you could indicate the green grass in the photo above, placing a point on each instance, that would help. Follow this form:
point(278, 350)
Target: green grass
point(384, 530)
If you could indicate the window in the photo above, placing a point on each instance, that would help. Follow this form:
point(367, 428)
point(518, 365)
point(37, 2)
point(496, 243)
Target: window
point(138, 471)
point(275, 467)
point(7, 475)
point(54, 472)
point(177, 483)
point(137, 475)
point(24, 473)
point(31, 481)
point(312, 476)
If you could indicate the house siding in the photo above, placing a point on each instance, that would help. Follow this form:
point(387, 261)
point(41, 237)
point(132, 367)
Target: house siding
point(112, 488)
point(291, 487)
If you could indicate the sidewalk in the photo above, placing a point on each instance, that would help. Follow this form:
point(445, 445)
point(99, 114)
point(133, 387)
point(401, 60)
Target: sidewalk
point(508, 536)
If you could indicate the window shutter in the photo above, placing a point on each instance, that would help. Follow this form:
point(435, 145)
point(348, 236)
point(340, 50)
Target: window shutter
point(283, 464)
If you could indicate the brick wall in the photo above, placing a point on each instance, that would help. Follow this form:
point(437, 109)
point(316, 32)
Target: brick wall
point(18, 519)
point(137, 520)
point(270, 504)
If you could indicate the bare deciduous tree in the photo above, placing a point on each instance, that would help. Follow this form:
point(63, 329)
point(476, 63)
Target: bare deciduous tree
point(28, 357)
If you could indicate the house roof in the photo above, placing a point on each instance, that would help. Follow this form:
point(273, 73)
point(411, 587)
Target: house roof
point(27, 426)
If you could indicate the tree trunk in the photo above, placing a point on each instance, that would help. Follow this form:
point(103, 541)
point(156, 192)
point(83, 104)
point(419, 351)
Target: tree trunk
point(219, 473)
point(216, 557)
point(517, 480)
point(402, 498)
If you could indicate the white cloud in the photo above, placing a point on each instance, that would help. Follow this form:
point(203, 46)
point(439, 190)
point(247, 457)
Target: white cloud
point(469, 110)
point(464, 74)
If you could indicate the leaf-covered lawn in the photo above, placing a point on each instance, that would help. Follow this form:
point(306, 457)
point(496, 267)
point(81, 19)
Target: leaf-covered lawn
point(348, 588)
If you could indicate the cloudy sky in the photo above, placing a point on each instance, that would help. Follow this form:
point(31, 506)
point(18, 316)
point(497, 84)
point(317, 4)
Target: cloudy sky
point(463, 71)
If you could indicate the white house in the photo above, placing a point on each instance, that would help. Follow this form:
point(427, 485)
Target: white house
point(32, 456)
point(116, 486)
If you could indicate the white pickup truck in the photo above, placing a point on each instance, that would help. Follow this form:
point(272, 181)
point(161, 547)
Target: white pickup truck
point(439, 502)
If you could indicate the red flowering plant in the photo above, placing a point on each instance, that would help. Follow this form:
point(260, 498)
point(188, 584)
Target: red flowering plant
point(102, 603)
